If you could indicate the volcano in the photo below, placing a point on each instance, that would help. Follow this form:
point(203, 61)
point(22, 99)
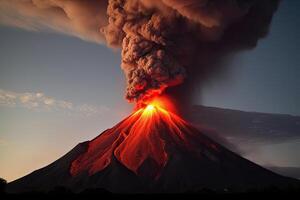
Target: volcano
point(152, 150)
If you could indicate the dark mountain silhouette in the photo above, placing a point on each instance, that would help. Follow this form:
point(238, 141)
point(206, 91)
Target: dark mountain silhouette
point(246, 127)
point(286, 171)
point(152, 150)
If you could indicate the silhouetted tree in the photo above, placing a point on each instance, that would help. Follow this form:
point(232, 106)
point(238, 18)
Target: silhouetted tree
point(3, 184)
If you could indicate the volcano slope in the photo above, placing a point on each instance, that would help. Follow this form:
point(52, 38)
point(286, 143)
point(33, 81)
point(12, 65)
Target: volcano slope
point(152, 150)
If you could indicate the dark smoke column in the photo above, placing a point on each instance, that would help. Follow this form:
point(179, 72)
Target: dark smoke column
point(153, 35)
point(143, 31)
point(164, 42)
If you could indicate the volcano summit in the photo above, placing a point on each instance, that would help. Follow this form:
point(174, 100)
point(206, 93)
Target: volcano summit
point(152, 150)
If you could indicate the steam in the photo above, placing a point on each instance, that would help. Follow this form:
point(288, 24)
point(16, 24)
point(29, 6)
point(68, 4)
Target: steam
point(163, 42)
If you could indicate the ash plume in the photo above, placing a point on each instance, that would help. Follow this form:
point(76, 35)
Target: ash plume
point(151, 34)
point(163, 42)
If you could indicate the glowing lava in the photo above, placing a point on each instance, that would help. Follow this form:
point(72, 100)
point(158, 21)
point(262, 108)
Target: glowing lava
point(151, 151)
point(149, 108)
point(143, 142)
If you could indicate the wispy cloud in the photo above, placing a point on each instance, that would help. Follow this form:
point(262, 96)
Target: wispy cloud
point(38, 101)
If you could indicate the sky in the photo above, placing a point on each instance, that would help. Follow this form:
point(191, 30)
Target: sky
point(57, 91)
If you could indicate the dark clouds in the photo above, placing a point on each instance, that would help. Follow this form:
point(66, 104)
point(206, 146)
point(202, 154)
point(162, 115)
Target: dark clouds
point(209, 60)
point(163, 42)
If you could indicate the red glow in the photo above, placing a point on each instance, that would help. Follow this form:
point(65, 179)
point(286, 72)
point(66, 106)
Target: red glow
point(159, 102)
point(145, 136)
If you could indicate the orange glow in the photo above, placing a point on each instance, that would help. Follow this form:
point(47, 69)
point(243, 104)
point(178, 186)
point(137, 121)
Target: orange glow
point(161, 102)
point(149, 108)
point(145, 136)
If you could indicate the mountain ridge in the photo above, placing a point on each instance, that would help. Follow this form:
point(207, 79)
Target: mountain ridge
point(152, 150)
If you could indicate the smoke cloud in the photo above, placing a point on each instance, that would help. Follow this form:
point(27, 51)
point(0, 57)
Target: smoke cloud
point(78, 18)
point(206, 60)
point(163, 42)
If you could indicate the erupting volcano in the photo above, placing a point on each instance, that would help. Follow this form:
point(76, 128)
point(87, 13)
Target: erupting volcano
point(167, 47)
point(143, 143)
point(152, 150)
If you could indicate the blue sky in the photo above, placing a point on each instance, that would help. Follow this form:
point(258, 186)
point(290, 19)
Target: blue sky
point(39, 68)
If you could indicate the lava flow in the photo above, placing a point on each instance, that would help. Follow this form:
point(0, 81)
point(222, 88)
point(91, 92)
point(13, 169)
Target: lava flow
point(151, 151)
point(143, 142)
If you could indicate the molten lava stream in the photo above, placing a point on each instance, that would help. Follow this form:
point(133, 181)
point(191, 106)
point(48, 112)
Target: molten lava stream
point(142, 142)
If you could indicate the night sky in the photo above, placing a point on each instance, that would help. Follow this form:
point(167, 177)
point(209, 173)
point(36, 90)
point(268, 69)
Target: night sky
point(87, 84)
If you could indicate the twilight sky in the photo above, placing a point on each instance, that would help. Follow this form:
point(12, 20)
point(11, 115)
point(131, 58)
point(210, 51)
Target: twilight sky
point(57, 91)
